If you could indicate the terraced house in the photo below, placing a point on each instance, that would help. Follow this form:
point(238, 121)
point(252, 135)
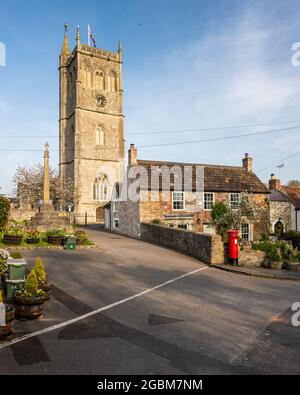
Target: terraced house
point(186, 199)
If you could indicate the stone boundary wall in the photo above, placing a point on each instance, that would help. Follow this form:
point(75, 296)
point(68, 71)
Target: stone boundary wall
point(203, 246)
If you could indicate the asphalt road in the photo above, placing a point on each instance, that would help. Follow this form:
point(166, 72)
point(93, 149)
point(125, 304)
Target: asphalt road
point(206, 322)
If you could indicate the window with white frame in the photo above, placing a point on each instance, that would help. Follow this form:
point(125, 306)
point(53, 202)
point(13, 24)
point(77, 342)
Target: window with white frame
point(235, 201)
point(245, 232)
point(209, 200)
point(183, 226)
point(115, 206)
point(178, 200)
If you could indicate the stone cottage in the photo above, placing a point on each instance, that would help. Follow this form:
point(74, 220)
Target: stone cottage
point(181, 195)
point(284, 207)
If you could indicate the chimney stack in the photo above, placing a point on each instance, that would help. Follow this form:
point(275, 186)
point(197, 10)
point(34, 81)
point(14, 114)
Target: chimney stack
point(274, 183)
point(247, 163)
point(132, 155)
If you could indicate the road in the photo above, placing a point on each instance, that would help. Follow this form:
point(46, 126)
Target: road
point(154, 311)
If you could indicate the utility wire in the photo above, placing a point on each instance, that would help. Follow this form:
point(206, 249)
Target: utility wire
point(279, 161)
point(136, 133)
point(230, 137)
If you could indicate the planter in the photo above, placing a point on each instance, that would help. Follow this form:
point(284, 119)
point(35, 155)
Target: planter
point(12, 240)
point(275, 265)
point(28, 308)
point(46, 287)
point(6, 331)
point(55, 240)
point(33, 241)
point(293, 266)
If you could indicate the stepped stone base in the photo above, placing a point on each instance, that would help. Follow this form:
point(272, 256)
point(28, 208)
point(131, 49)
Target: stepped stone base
point(48, 218)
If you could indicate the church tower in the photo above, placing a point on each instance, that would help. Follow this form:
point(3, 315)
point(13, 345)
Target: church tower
point(91, 125)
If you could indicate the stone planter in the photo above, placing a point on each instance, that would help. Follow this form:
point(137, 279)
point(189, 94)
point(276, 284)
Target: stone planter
point(6, 331)
point(28, 308)
point(55, 240)
point(12, 240)
point(33, 240)
point(293, 266)
point(46, 287)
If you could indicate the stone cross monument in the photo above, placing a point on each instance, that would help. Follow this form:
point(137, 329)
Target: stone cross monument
point(48, 218)
point(47, 201)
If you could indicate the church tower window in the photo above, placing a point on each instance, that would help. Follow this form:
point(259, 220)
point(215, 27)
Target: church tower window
point(100, 80)
point(100, 135)
point(101, 189)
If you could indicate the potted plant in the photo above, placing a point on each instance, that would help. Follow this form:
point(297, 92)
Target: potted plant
point(13, 235)
point(291, 257)
point(4, 255)
point(33, 237)
point(29, 301)
point(55, 236)
point(6, 329)
point(273, 258)
point(43, 282)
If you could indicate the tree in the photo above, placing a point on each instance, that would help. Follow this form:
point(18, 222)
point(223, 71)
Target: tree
point(28, 187)
point(294, 183)
point(4, 211)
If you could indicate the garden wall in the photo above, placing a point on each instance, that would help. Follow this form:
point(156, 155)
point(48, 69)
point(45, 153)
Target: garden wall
point(206, 247)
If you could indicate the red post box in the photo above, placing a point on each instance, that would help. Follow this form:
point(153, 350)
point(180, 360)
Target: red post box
point(233, 246)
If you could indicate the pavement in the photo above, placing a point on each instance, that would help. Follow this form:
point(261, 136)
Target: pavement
point(129, 307)
point(261, 272)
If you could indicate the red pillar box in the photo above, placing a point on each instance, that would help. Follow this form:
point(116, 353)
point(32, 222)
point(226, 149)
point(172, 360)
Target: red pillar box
point(233, 247)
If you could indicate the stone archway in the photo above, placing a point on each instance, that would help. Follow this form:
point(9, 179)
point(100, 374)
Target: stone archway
point(100, 215)
point(279, 229)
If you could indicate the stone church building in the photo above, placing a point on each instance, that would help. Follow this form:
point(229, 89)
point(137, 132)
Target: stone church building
point(91, 125)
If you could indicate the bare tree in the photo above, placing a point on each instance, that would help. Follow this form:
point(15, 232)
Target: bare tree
point(28, 187)
point(294, 183)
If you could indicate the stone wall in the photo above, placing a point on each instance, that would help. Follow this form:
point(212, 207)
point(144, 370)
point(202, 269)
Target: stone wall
point(129, 218)
point(206, 247)
point(250, 257)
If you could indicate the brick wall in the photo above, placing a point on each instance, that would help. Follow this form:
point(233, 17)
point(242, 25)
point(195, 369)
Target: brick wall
point(207, 248)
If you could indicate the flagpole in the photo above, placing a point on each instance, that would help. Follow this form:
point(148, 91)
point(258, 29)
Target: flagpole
point(89, 36)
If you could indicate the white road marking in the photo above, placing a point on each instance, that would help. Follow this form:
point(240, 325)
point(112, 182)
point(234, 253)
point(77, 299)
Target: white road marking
point(94, 312)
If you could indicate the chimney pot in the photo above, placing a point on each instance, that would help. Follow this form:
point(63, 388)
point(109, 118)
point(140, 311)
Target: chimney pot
point(274, 183)
point(132, 155)
point(247, 163)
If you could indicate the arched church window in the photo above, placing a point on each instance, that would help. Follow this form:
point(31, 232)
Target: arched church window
point(101, 189)
point(100, 135)
point(100, 80)
point(89, 77)
point(112, 82)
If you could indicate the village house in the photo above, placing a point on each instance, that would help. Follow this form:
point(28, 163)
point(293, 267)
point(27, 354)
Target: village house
point(284, 207)
point(177, 206)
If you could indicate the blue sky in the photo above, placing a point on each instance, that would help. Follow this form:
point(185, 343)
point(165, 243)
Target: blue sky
point(188, 64)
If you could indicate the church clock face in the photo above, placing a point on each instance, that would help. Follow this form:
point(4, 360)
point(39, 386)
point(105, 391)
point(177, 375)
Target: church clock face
point(101, 100)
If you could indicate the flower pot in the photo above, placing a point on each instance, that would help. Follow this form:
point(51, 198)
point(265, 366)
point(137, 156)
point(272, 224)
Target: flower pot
point(6, 331)
point(55, 240)
point(28, 308)
point(275, 265)
point(33, 240)
point(293, 266)
point(46, 287)
point(12, 240)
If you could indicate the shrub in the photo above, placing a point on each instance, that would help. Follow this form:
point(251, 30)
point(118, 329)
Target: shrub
point(55, 232)
point(156, 221)
point(33, 234)
point(1, 297)
point(14, 230)
point(4, 211)
point(289, 253)
point(31, 288)
point(40, 270)
point(16, 255)
point(294, 237)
